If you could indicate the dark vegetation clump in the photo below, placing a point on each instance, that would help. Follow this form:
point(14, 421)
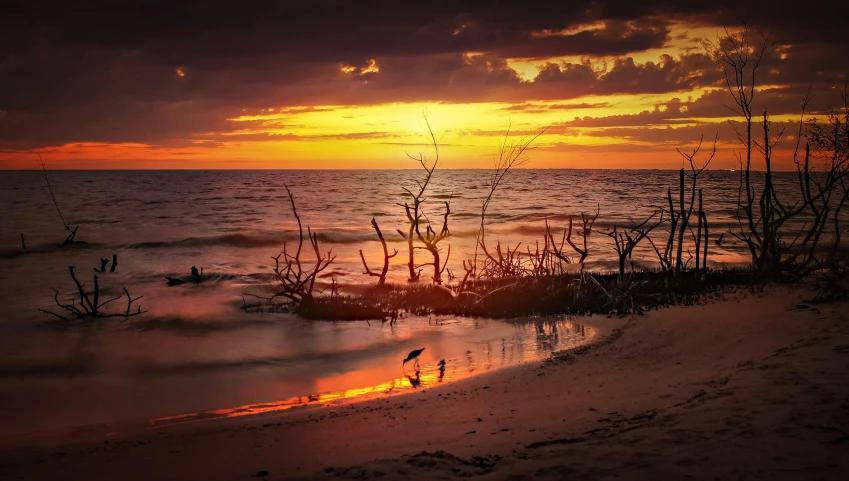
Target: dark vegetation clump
point(577, 294)
point(832, 282)
point(347, 308)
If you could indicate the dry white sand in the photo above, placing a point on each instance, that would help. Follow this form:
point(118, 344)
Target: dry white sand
point(753, 387)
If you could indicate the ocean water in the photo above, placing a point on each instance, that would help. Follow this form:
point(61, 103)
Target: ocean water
point(194, 354)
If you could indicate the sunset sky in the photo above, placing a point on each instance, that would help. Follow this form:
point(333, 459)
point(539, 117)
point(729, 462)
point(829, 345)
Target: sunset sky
point(338, 84)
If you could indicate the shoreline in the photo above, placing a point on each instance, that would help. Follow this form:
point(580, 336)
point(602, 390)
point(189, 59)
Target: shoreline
point(683, 380)
point(210, 418)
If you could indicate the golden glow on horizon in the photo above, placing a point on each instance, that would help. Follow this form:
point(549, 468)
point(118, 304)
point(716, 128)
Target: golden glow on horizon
point(377, 136)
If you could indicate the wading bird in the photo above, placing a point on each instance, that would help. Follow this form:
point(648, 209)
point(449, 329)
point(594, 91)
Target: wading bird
point(413, 356)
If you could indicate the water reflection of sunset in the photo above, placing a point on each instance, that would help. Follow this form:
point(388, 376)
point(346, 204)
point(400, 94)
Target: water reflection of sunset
point(535, 339)
point(422, 378)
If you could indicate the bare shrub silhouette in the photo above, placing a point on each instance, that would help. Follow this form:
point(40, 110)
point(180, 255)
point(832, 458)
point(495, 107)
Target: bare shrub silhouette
point(415, 214)
point(296, 280)
point(824, 190)
point(670, 254)
point(586, 229)
point(431, 240)
point(626, 239)
point(701, 218)
point(775, 248)
point(501, 262)
point(89, 305)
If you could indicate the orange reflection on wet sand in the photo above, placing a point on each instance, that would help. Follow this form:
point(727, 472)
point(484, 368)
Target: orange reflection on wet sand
point(420, 378)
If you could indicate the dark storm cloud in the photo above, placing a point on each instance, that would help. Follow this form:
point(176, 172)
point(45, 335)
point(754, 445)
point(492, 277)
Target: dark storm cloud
point(107, 71)
point(626, 76)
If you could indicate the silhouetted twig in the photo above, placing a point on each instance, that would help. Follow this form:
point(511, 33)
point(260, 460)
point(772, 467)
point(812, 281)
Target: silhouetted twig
point(47, 187)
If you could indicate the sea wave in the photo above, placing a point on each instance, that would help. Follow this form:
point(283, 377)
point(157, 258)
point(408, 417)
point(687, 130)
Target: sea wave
point(14, 252)
point(251, 241)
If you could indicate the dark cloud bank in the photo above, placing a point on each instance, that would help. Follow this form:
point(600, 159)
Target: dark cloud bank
point(107, 71)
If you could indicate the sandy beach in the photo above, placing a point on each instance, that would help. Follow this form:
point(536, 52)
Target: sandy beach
point(751, 387)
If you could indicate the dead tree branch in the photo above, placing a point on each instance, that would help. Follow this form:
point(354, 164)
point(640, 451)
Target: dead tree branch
point(626, 239)
point(417, 198)
point(47, 188)
point(386, 256)
point(298, 282)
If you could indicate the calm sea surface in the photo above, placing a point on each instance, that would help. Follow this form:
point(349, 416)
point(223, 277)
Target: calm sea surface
point(195, 352)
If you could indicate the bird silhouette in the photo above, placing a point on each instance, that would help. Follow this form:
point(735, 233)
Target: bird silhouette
point(415, 381)
point(719, 241)
point(413, 356)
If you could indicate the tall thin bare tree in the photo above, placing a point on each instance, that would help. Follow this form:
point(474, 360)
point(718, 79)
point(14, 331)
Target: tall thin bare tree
point(413, 206)
point(47, 187)
point(512, 153)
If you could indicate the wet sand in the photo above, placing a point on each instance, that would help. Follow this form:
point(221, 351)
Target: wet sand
point(750, 387)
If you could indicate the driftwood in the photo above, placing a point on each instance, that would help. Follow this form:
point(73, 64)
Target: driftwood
point(89, 304)
point(386, 256)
